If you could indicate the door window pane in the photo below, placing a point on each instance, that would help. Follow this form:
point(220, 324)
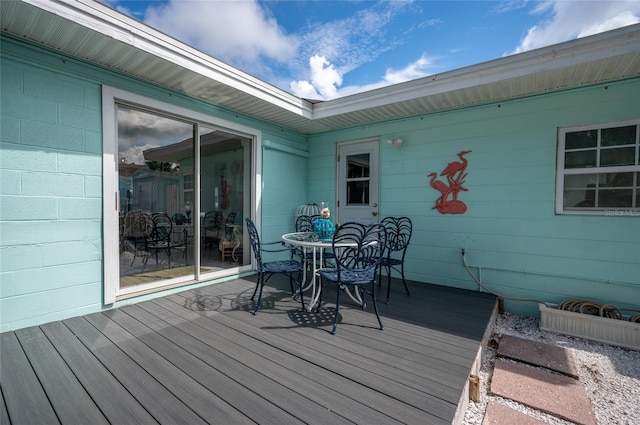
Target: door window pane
point(224, 198)
point(358, 166)
point(358, 193)
point(358, 173)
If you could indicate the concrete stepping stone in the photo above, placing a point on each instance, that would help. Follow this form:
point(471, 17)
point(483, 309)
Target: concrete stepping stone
point(538, 354)
point(557, 394)
point(498, 414)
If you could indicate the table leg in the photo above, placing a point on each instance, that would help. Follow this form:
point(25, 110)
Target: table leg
point(305, 285)
point(315, 280)
point(355, 296)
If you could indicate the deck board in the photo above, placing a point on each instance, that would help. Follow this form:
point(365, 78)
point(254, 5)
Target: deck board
point(20, 385)
point(256, 372)
point(179, 351)
point(104, 389)
point(349, 364)
point(57, 380)
point(155, 382)
point(319, 385)
point(200, 356)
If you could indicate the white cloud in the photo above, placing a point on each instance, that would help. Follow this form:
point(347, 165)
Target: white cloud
point(239, 31)
point(312, 62)
point(326, 80)
point(305, 90)
point(337, 47)
point(568, 20)
point(417, 69)
point(352, 41)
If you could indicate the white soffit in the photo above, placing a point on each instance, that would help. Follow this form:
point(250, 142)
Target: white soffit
point(91, 31)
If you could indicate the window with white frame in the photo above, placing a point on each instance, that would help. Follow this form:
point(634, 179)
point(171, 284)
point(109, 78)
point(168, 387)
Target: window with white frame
point(599, 169)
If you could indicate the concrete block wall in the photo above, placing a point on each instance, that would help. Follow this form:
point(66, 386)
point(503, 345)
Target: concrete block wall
point(51, 195)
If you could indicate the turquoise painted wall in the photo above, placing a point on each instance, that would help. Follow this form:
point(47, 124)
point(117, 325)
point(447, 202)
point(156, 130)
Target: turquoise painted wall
point(51, 257)
point(51, 203)
point(510, 229)
point(51, 177)
point(284, 187)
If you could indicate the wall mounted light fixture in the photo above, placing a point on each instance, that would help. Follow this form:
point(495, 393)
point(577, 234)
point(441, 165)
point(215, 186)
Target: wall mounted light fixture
point(396, 142)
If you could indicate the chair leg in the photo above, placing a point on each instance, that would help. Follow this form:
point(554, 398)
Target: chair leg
point(255, 291)
point(361, 292)
point(404, 282)
point(293, 292)
point(261, 283)
point(335, 319)
point(375, 304)
point(300, 283)
point(388, 284)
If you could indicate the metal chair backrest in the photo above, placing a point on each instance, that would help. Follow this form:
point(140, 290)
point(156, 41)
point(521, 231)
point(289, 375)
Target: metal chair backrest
point(255, 241)
point(399, 231)
point(359, 247)
point(304, 223)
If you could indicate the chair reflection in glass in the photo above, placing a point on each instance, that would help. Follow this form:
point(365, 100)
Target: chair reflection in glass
point(358, 249)
point(266, 269)
point(161, 238)
point(211, 229)
point(137, 229)
point(399, 231)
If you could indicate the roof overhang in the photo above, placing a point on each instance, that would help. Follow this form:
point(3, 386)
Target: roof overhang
point(90, 31)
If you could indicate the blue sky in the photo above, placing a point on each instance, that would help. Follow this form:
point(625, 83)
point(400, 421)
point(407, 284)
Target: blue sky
point(319, 49)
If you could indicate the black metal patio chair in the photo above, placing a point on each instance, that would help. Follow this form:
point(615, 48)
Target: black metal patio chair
point(358, 249)
point(266, 269)
point(399, 231)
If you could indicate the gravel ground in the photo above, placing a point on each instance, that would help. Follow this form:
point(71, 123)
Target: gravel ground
point(611, 375)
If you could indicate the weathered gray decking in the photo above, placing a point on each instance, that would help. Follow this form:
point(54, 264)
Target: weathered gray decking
point(201, 357)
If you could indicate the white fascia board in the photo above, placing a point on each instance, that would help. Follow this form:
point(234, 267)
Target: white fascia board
point(118, 26)
point(574, 52)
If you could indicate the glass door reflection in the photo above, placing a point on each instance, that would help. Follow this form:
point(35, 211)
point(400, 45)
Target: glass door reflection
point(155, 171)
point(224, 198)
point(170, 221)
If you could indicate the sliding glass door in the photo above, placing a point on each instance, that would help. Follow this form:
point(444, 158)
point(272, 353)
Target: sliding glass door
point(184, 186)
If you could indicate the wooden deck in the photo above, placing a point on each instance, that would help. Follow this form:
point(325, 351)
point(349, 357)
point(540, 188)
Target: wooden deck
point(201, 357)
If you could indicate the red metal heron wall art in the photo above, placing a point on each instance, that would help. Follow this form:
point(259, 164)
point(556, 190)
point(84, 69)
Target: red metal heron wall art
point(455, 173)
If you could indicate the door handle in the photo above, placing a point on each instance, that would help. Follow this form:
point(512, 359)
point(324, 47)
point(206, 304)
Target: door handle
point(374, 213)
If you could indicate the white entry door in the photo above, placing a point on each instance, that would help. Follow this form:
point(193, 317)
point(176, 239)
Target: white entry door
point(358, 181)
